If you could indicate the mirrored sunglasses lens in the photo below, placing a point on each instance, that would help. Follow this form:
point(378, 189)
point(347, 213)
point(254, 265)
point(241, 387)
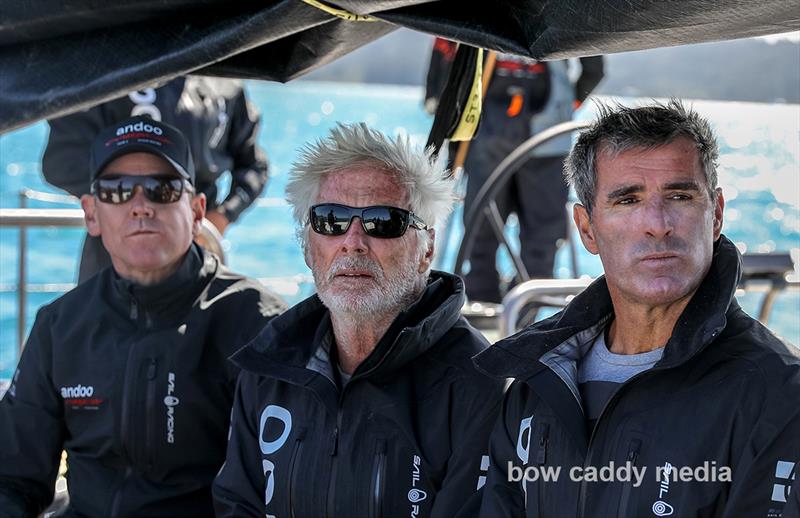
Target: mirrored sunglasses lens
point(330, 220)
point(155, 189)
point(385, 222)
point(163, 190)
point(113, 190)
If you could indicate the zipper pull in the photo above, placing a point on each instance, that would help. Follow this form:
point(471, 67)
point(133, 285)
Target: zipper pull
point(151, 369)
point(334, 442)
point(633, 453)
point(541, 455)
point(134, 310)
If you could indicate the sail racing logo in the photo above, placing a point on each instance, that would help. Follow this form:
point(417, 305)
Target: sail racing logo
point(416, 495)
point(170, 401)
point(80, 397)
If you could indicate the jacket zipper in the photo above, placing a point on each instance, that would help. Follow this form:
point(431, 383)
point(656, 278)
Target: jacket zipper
point(298, 443)
point(544, 437)
point(541, 460)
point(609, 403)
point(125, 444)
point(331, 504)
point(633, 454)
point(378, 480)
point(150, 429)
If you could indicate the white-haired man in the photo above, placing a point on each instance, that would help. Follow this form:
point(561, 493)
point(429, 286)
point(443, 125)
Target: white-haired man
point(362, 400)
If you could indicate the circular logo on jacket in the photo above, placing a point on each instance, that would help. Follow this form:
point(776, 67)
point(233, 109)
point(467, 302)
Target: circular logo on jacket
point(661, 508)
point(416, 495)
point(171, 401)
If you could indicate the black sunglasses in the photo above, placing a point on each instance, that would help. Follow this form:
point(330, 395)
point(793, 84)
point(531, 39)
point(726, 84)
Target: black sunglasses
point(156, 188)
point(382, 221)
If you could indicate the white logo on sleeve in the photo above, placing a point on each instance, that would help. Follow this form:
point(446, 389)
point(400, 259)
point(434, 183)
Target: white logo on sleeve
point(484, 469)
point(269, 417)
point(784, 475)
point(170, 401)
point(660, 506)
point(523, 442)
point(523, 448)
point(416, 495)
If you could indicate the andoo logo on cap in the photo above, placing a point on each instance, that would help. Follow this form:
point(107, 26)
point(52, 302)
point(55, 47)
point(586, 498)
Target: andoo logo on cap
point(139, 126)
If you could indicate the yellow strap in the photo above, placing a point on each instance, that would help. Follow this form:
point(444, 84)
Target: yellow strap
point(472, 113)
point(341, 13)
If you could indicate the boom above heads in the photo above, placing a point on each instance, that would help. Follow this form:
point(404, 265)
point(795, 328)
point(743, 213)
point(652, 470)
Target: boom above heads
point(61, 57)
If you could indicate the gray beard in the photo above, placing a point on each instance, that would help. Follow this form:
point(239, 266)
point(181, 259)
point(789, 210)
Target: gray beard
point(385, 296)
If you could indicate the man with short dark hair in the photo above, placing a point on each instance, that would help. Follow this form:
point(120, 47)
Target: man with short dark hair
point(128, 371)
point(362, 400)
point(652, 393)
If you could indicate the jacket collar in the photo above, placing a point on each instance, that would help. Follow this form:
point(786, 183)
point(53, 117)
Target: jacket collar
point(162, 300)
point(290, 342)
point(701, 321)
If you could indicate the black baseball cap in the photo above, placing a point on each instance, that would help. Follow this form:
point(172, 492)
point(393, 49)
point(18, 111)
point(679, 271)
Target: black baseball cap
point(145, 135)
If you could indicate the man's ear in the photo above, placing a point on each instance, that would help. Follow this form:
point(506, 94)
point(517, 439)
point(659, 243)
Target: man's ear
point(427, 259)
point(719, 205)
point(198, 205)
point(88, 204)
point(584, 224)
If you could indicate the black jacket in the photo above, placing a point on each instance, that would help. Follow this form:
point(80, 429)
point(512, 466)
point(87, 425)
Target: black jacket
point(214, 115)
point(406, 436)
point(725, 393)
point(132, 381)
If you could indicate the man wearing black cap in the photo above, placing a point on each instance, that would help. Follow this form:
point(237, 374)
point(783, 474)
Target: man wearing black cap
point(128, 371)
point(217, 119)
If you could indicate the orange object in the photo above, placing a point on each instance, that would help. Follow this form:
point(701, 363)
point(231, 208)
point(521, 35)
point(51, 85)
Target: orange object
point(515, 106)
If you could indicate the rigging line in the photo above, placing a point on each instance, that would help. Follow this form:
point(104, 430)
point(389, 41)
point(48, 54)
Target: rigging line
point(341, 13)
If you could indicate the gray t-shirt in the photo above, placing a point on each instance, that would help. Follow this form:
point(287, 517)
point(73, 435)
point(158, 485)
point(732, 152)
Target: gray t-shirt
point(601, 372)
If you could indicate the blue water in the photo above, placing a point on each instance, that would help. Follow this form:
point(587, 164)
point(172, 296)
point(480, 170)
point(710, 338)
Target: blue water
point(759, 174)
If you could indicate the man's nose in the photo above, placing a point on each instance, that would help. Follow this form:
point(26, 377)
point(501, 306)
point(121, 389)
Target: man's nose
point(141, 207)
point(656, 219)
point(355, 239)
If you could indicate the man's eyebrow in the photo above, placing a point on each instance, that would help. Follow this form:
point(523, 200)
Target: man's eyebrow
point(672, 186)
point(682, 186)
point(624, 191)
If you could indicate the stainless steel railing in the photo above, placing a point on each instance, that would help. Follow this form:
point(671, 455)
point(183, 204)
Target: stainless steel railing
point(756, 278)
point(24, 218)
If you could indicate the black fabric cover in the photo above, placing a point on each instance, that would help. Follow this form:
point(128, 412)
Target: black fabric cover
point(57, 57)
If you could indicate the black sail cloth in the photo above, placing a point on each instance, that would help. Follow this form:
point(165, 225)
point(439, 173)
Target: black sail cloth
point(63, 57)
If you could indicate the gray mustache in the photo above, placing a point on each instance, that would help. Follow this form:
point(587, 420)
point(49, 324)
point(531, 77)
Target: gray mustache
point(354, 263)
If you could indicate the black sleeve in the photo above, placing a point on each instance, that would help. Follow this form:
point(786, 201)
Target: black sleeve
point(441, 59)
point(31, 429)
point(768, 465)
point(591, 75)
point(65, 163)
point(238, 489)
point(249, 172)
point(502, 498)
point(476, 411)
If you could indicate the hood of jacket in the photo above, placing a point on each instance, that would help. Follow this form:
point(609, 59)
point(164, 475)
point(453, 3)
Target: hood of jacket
point(702, 320)
point(286, 345)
